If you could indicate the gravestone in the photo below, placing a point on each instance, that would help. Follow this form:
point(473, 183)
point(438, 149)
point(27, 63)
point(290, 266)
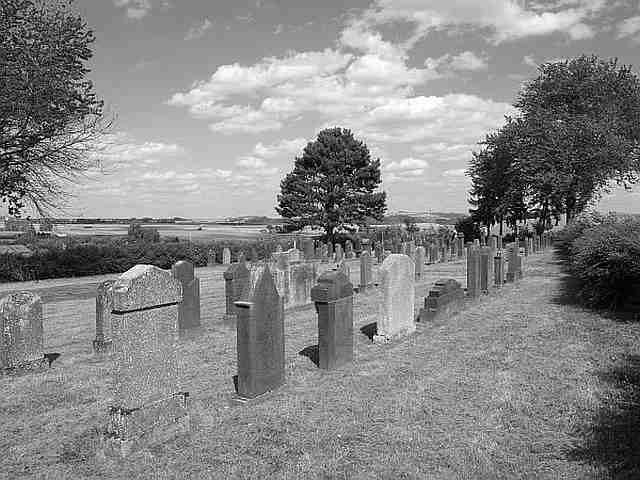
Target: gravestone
point(514, 266)
point(486, 268)
point(104, 306)
point(226, 256)
point(211, 257)
point(396, 318)
point(333, 298)
point(379, 252)
point(344, 268)
point(260, 337)
point(21, 338)
point(420, 254)
point(493, 242)
point(189, 308)
point(324, 252)
point(473, 272)
point(300, 284)
point(235, 280)
point(307, 249)
point(147, 404)
point(498, 267)
point(366, 264)
point(460, 243)
point(499, 239)
point(444, 299)
point(339, 255)
point(348, 249)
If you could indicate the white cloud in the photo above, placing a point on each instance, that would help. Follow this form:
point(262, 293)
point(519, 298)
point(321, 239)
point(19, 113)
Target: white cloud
point(197, 31)
point(530, 61)
point(455, 173)
point(630, 27)
point(406, 164)
point(284, 147)
point(120, 150)
point(135, 9)
point(468, 61)
point(251, 162)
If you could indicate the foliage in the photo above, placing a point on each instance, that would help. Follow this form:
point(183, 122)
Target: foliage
point(50, 117)
point(410, 225)
point(332, 184)
point(143, 234)
point(468, 227)
point(577, 131)
point(605, 258)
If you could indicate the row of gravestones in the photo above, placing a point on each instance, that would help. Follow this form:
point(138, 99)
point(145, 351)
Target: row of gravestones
point(146, 307)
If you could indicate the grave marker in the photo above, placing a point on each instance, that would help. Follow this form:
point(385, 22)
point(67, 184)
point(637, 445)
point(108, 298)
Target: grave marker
point(21, 338)
point(104, 307)
point(189, 308)
point(396, 318)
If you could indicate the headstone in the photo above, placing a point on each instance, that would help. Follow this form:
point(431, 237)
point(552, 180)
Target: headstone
point(460, 243)
point(473, 272)
point(339, 255)
point(333, 297)
point(300, 284)
point(486, 268)
point(420, 254)
point(379, 249)
point(514, 265)
point(211, 257)
point(260, 337)
point(330, 251)
point(226, 256)
point(307, 249)
point(445, 298)
point(104, 306)
point(396, 318)
point(189, 308)
point(21, 338)
point(147, 404)
point(493, 242)
point(526, 246)
point(366, 264)
point(236, 279)
point(348, 249)
point(344, 268)
point(498, 267)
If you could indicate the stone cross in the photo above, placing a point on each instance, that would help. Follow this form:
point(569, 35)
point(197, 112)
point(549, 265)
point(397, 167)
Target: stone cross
point(366, 264)
point(397, 317)
point(226, 256)
point(147, 402)
point(333, 298)
point(104, 307)
point(260, 336)
point(420, 254)
point(189, 309)
point(236, 279)
point(473, 272)
point(21, 339)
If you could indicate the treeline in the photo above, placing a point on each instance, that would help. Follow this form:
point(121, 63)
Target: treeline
point(575, 134)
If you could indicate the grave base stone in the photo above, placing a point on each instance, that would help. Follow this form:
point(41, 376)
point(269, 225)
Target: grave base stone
point(444, 299)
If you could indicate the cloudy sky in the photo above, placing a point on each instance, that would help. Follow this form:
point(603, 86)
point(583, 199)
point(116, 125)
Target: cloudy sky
point(214, 98)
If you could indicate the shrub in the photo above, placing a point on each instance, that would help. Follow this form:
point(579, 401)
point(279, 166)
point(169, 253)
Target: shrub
point(574, 229)
point(605, 258)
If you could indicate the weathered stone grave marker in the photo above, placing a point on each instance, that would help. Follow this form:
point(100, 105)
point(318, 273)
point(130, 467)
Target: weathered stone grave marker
point(396, 317)
point(366, 265)
point(333, 298)
point(104, 306)
point(147, 405)
point(189, 309)
point(420, 254)
point(226, 256)
point(235, 280)
point(444, 299)
point(260, 337)
point(21, 333)
point(473, 271)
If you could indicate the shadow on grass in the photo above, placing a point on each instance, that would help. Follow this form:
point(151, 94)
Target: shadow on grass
point(614, 440)
point(370, 330)
point(312, 352)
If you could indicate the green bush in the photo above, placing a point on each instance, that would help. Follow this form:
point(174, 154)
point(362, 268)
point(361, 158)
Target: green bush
point(605, 258)
point(565, 238)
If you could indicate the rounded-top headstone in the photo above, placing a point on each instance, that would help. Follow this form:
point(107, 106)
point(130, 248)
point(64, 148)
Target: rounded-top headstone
point(145, 286)
point(21, 325)
point(183, 270)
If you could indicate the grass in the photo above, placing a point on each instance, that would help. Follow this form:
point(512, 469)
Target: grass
point(521, 384)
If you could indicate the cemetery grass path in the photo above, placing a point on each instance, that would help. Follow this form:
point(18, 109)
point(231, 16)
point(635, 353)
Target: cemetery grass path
point(521, 384)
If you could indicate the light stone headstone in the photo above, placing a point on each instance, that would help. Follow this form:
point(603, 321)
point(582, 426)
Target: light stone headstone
point(366, 264)
point(147, 404)
point(420, 257)
point(396, 317)
point(226, 256)
point(21, 333)
point(189, 309)
point(236, 277)
point(104, 306)
point(339, 254)
point(260, 337)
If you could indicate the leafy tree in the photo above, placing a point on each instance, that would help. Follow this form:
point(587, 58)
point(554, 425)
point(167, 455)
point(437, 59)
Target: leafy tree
point(50, 117)
point(468, 227)
point(332, 184)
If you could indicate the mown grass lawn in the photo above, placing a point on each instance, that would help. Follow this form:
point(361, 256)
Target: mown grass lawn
point(522, 384)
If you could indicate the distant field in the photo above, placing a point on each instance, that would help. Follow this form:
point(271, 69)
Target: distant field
point(188, 231)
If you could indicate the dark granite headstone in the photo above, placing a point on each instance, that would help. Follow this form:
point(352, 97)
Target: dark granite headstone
point(445, 298)
point(333, 297)
point(260, 337)
point(235, 280)
point(189, 308)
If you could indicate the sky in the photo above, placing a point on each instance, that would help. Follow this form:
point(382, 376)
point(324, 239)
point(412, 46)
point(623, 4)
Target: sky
point(214, 99)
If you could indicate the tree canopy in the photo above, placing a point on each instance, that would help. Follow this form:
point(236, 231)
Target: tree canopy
point(50, 117)
point(333, 184)
point(576, 133)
